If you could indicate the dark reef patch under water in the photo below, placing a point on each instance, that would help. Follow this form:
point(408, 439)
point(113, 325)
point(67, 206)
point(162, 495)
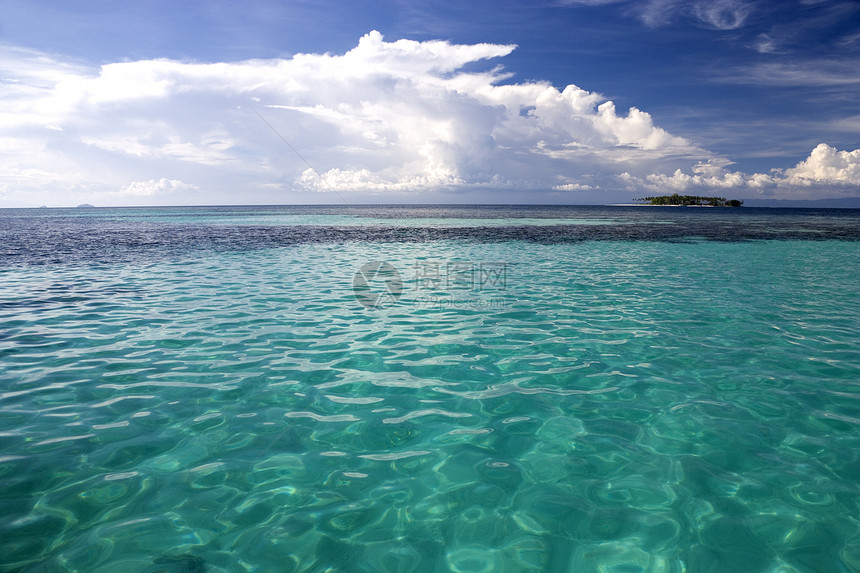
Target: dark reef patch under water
point(31, 237)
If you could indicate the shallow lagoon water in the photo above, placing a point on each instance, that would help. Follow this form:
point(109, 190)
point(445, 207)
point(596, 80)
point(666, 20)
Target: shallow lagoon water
point(543, 403)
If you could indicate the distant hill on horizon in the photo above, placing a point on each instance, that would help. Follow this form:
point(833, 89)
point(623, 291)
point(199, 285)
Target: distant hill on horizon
point(841, 203)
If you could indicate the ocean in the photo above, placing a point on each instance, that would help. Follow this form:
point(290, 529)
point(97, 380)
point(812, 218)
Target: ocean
point(459, 389)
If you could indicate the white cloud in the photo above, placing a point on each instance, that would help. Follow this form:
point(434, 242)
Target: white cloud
point(703, 176)
point(384, 117)
point(655, 13)
point(766, 44)
point(826, 168)
point(716, 14)
point(826, 165)
point(573, 187)
point(384, 121)
point(805, 73)
point(722, 14)
point(154, 187)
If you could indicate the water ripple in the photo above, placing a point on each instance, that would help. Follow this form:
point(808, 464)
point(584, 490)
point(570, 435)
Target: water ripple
point(629, 406)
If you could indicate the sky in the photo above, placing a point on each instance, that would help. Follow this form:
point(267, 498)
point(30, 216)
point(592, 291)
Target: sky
point(426, 101)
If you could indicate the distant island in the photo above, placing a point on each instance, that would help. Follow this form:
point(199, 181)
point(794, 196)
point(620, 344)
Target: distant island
point(85, 206)
point(691, 201)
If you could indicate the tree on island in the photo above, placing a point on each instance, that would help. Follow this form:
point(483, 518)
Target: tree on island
point(692, 201)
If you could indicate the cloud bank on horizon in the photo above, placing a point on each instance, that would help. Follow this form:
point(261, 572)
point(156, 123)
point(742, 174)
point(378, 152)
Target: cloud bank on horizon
point(400, 121)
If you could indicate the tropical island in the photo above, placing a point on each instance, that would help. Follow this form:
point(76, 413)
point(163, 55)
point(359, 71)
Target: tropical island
point(691, 201)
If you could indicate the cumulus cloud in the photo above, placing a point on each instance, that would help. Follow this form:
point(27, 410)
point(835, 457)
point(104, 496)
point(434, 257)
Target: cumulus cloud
point(573, 187)
point(383, 121)
point(402, 117)
point(826, 164)
point(826, 167)
point(150, 192)
point(154, 187)
point(702, 176)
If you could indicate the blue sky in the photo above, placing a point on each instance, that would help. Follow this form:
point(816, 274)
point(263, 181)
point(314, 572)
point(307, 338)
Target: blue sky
point(155, 102)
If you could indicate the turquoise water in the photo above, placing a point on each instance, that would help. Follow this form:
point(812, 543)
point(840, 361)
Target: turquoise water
point(514, 406)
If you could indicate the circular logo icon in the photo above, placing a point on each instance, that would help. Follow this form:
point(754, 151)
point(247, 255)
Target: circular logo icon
point(377, 284)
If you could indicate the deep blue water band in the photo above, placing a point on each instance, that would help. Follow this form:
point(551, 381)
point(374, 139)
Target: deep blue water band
point(55, 236)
